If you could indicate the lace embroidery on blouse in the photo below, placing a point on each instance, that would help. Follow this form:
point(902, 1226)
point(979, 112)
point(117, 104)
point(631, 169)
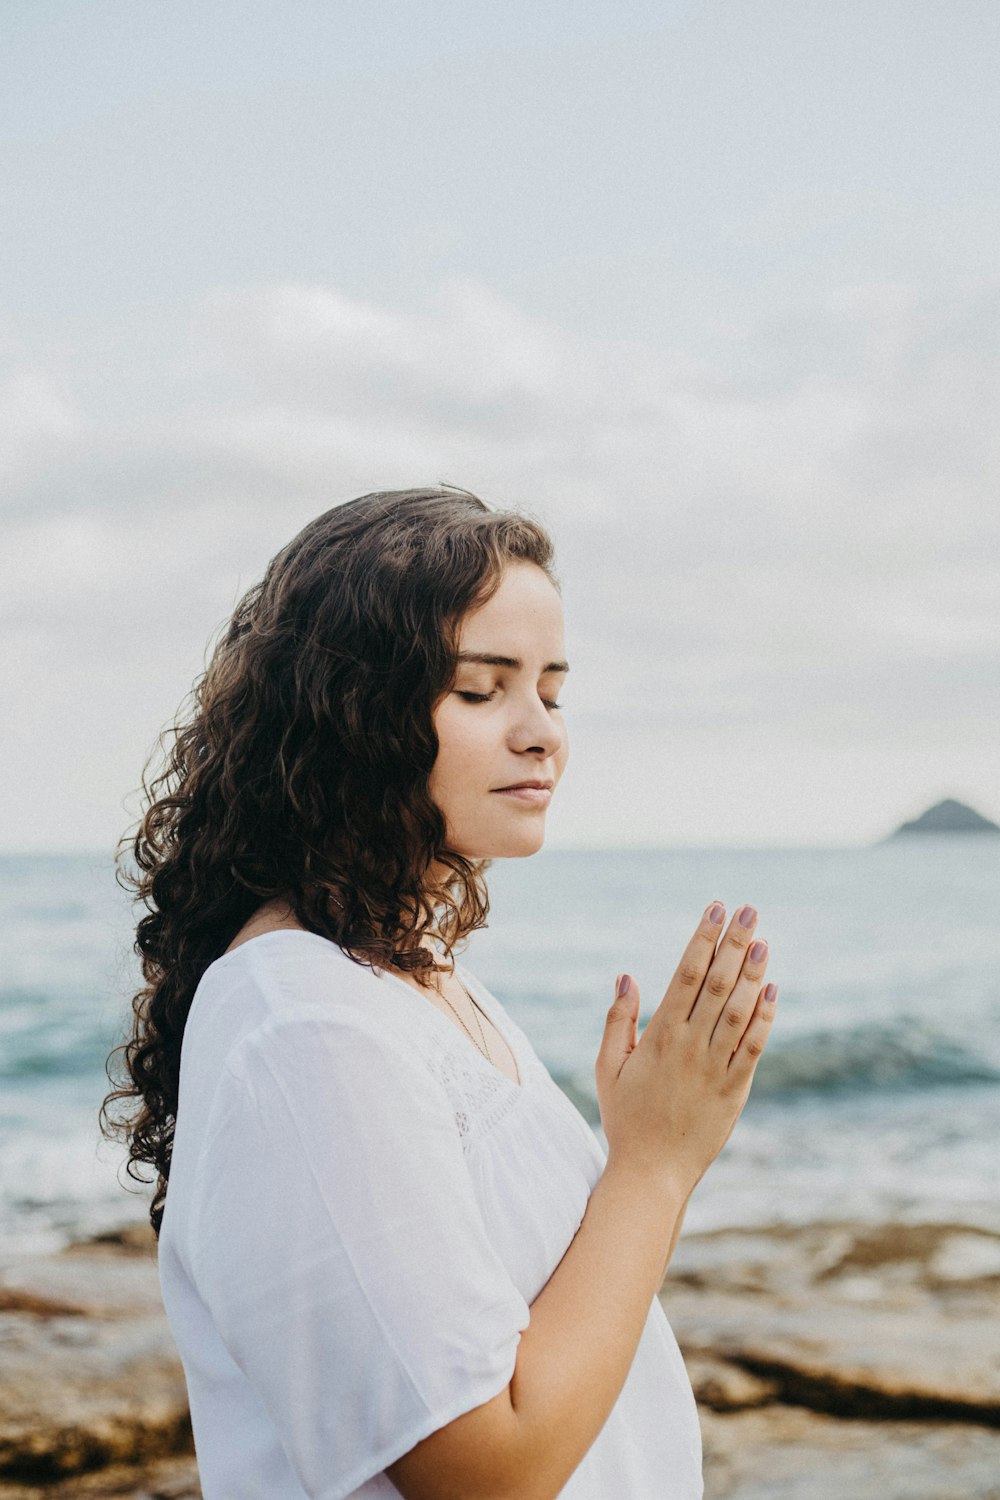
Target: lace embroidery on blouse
point(480, 1095)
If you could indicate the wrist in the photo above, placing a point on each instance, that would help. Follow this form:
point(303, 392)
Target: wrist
point(667, 1186)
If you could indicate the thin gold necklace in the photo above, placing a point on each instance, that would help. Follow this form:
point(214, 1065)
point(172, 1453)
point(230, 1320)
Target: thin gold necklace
point(484, 1049)
point(479, 1010)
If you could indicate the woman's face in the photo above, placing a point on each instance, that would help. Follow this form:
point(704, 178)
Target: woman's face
point(498, 726)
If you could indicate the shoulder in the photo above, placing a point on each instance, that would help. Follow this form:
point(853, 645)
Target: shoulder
point(286, 982)
point(291, 966)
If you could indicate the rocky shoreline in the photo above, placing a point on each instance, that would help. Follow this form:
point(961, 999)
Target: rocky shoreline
point(841, 1360)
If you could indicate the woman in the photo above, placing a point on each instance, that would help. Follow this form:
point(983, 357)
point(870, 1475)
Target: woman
point(393, 1254)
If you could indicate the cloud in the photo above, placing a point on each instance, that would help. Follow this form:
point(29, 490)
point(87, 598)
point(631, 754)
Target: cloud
point(790, 525)
point(37, 421)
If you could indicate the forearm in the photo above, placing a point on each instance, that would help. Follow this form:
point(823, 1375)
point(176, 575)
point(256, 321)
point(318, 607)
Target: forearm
point(575, 1355)
point(678, 1226)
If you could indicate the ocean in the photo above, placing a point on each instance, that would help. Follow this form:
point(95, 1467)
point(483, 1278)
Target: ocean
point(878, 1096)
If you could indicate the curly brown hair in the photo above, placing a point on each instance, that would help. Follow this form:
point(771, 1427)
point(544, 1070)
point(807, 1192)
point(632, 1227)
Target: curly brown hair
point(298, 768)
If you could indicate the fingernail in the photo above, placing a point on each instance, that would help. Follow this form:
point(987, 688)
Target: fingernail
point(623, 985)
point(748, 916)
point(757, 952)
point(716, 913)
point(770, 993)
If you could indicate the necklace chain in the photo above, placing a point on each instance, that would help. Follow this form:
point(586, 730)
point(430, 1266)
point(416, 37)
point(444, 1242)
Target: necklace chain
point(478, 1010)
point(484, 1049)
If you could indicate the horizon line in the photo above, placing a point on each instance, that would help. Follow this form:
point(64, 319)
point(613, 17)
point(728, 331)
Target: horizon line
point(631, 848)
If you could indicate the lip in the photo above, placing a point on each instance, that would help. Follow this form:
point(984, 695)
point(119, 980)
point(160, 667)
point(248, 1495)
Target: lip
point(532, 796)
point(546, 783)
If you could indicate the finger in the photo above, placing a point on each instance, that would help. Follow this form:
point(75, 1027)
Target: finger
point(687, 979)
point(747, 1055)
point(724, 972)
point(736, 1011)
point(619, 1029)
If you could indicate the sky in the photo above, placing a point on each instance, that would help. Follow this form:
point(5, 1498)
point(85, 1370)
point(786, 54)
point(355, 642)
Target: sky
point(711, 289)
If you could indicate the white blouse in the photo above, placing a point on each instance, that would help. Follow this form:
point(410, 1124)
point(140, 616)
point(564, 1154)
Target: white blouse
point(361, 1210)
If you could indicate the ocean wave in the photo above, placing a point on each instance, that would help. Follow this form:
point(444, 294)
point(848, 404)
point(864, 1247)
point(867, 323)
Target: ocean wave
point(874, 1056)
point(46, 1037)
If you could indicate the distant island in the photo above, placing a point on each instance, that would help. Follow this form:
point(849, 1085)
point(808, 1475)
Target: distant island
point(948, 816)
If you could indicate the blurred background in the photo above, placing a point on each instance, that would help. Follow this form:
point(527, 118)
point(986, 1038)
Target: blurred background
point(712, 290)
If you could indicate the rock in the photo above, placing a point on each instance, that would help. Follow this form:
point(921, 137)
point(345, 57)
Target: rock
point(860, 1321)
point(163, 1479)
point(788, 1453)
point(89, 1375)
point(726, 1387)
point(948, 816)
point(14, 1300)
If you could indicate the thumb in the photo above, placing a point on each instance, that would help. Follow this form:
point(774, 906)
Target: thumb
point(621, 1026)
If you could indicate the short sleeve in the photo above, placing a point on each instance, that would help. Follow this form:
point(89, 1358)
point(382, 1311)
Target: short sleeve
point(340, 1249)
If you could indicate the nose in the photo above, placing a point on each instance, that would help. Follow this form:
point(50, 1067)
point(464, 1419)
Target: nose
point(538, 730)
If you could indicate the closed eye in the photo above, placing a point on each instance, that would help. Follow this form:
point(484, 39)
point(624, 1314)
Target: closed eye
point(485, 698)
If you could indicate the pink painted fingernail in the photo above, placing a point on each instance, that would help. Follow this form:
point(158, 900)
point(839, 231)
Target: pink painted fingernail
point(757, 952)
point(716, 913)
point(748, 916)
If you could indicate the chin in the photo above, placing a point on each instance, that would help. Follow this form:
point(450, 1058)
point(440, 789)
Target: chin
point(516, 847)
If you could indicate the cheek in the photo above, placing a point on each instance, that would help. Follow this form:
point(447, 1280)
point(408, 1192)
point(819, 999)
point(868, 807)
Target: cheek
point(457, 748)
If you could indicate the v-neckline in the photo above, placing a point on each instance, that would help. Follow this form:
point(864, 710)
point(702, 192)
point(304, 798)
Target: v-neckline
point(464, 976)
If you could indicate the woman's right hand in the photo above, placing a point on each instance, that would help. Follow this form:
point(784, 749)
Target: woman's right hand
point(670, 1099)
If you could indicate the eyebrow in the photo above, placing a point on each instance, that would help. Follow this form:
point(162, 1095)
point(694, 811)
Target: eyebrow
point(492, 660)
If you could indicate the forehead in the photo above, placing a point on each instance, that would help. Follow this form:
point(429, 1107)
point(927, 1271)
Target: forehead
point(521, 627)
point(526, 608)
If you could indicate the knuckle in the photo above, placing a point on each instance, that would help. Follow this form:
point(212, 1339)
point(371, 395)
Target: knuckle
point(658, 1045)
point(733, 1079)
point(717, 986)
point(734, 1017)
point(754, 1046)
point(689, 974)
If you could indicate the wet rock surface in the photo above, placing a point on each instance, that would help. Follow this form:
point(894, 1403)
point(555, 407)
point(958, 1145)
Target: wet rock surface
point(830, 1360)
point(162, 1479)
point(89, 1376)
point(791, 1453)
point(880, 1321)
point(843, 1360)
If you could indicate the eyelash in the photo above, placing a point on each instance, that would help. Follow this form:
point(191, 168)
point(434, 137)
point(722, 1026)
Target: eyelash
point(485, 698)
